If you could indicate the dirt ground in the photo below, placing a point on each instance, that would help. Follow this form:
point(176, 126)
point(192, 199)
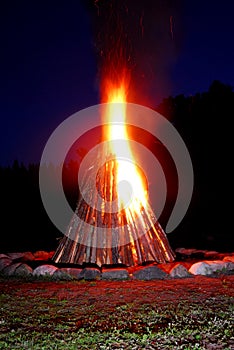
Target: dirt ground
point(113, 293)
point(192, 313)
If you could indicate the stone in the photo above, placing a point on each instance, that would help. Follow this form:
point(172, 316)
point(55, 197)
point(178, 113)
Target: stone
point(23, 271)
point(4, 256)
point(62, 275)
point(200, 268)
point(211, 253)
point(10, 270)
point(179, 271)
point(41, 255)
point(115, 274)
point(149, 273)
point(44, 270)
point(4, 262)
point(207, 268)
point(26, 256)
point(90, 273)
point(229, 258)
point(229, 266)
point(15, 256)
point(189, 251)
point(221, 266)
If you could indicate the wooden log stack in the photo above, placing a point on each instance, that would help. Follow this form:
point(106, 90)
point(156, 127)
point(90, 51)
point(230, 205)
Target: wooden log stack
point(101, 233)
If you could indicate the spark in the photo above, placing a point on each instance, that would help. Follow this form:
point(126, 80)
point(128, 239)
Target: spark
point(141, 24)
point(171, 27)
point(97, 6)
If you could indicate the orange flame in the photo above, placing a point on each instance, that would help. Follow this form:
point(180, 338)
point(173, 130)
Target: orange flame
point(131, 191)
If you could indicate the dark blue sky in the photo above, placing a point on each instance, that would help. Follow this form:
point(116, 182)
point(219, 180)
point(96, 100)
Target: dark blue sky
point(49, 69)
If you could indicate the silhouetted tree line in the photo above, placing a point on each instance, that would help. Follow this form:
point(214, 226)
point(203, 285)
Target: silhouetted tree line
point(203, 121)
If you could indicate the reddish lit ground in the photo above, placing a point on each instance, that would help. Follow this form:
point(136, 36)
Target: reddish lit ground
point(183, 311)
point(115, 293)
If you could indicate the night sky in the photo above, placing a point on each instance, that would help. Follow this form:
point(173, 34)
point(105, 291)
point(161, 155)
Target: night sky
point(49, 65)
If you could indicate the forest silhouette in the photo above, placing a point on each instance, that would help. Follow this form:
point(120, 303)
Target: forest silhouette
point(204, 122)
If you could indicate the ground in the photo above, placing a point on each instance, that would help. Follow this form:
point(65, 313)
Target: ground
point(192, 313)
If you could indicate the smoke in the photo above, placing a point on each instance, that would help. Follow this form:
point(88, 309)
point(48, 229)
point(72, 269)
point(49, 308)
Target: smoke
point(137, 41)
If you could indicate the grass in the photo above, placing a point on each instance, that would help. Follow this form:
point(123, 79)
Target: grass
point(32, 321)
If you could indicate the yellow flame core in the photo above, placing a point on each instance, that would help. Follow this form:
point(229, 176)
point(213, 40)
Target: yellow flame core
point(131, 191)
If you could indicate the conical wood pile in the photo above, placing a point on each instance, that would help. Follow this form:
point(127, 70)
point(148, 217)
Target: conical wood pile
point(101, 234)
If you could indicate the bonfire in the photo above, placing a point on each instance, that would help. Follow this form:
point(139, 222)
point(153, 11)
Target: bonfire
point(122, 227)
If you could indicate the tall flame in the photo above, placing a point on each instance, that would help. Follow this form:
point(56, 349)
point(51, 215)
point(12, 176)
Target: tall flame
point(131, 191)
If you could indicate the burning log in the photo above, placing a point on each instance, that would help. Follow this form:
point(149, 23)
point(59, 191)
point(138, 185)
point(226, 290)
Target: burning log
point(112, 236)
